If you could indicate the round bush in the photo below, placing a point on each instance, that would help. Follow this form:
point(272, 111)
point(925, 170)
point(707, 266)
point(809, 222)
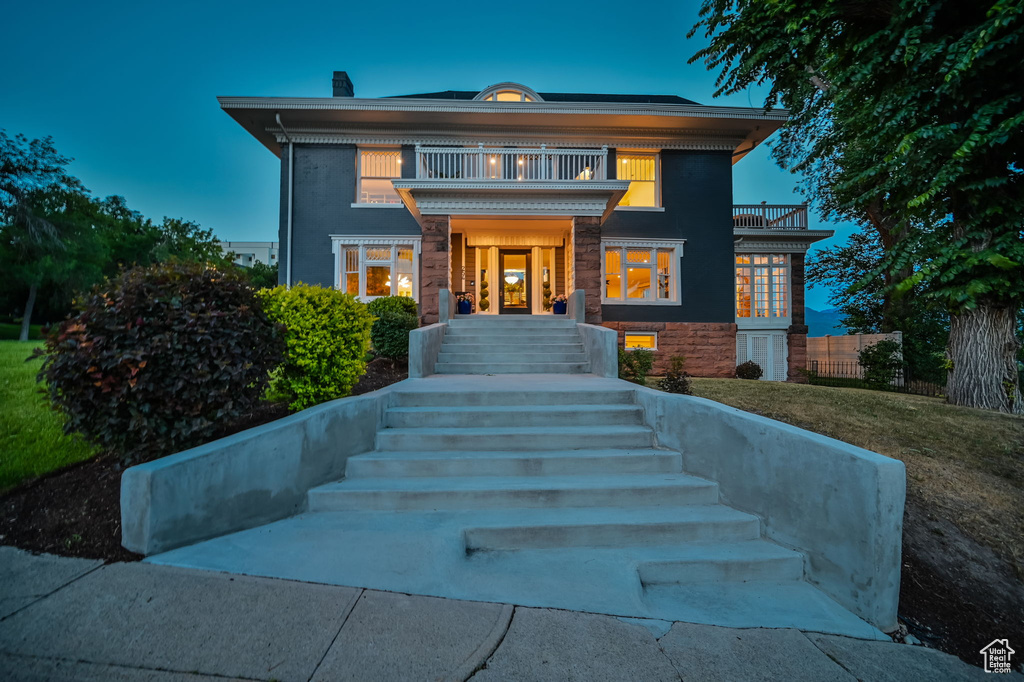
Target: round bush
point(676, 379)
point(390, 333)
point(395, 304)
point(327, 336)
point(749, 370)
point(156, 358)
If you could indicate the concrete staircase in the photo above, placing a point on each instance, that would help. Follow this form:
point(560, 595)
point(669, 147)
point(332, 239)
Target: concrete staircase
point(512, 344)
point(573, 475)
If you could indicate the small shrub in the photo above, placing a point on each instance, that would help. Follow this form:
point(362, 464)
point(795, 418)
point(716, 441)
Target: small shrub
point(635, 365)
point(395, 304)
point(749, 370)
point(677, 380)
point(390, 333)
point(156, 358)
point(881, 361)
point(484, 303)
point(328, 334)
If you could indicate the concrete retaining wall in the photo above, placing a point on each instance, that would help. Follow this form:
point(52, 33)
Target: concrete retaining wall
point(601, 347)
point(840, 505)
point(424, 345)
point(248, 479)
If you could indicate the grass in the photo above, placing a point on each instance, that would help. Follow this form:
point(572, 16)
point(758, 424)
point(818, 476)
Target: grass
point(965, 465)
point(32, 441)
point(11, 332)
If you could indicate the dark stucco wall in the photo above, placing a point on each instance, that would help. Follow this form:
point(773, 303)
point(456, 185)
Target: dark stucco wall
point(325, 188)
point(696, 190)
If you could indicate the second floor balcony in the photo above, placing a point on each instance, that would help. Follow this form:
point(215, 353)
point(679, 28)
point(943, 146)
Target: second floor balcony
point(511, 164)
point(770, 216)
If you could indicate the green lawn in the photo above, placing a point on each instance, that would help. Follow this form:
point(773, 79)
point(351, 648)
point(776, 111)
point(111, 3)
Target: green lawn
point(32, 442)
point(10, 332)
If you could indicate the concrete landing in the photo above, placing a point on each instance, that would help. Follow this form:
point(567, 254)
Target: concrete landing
point(425, 553)
point(135, 622)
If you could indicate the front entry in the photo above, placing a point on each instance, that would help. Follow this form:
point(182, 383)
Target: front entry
point(516, 274)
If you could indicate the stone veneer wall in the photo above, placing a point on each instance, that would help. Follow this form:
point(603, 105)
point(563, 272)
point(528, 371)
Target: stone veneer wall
point(797, 332)
point(709, 347)
point(435, 265)
point(587, 266)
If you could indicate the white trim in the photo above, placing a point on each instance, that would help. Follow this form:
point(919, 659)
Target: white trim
point(675, 280)
point(648, 209)
point(398, 205)
point(764, 322)
point(340, 241)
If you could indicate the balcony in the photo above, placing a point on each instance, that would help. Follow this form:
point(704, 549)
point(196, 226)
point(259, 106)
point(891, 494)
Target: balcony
point(516, 165)
point(772, 217)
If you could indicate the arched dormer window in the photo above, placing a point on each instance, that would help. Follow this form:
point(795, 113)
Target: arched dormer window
point(508, 92)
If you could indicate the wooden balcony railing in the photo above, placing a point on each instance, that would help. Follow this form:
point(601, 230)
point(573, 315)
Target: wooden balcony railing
point(774, 217)
point(482, 163)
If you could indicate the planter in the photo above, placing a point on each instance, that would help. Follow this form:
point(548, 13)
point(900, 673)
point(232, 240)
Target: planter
point(465, 307)
point(559, 307)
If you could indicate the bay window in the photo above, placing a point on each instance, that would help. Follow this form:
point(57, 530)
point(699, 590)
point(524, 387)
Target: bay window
point(762, 286)
point(372, 267)
point(641, 272)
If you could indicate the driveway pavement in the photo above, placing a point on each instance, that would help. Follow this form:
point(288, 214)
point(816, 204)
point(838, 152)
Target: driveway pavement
point(75, 619)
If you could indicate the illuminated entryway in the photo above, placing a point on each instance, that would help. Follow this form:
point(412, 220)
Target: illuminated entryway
point(515, 276)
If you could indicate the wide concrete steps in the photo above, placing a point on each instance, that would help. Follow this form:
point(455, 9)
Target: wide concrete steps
point(539, 399)
point(511, 321)
point(484, 492)
point(519, 437)
point(615, 527)
point(512, 368)
point(754, 560)
point(501, 344)
point(512, 345)
point(515, 415)
point(382, 464)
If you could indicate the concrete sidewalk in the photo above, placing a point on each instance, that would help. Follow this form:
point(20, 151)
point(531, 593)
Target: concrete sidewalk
point(74, 619)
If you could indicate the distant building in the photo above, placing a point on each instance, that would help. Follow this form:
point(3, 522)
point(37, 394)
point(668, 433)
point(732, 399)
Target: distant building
point(249, 253)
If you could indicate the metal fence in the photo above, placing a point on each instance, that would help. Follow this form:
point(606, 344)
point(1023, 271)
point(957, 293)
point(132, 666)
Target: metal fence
point(851, 375)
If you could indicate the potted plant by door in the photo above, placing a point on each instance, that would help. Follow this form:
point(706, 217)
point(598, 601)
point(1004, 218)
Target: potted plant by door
point(559, 304)
point(465, 304)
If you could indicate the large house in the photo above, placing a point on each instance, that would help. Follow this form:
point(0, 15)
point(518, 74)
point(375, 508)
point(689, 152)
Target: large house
point(514, 197)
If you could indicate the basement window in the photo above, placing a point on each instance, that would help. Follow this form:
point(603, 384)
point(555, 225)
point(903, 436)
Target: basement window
point(644, 340)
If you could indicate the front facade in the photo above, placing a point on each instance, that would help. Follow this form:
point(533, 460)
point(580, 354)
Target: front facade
point(515, 197)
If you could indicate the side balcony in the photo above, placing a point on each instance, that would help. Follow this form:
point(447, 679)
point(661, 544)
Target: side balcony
point(767, 228)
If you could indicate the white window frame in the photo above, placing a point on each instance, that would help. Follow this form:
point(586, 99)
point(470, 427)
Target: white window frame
point(341, 242)
point(675, 245)
point(754, 322)
point(626, 335)
point(358, 203)
point(658, 204)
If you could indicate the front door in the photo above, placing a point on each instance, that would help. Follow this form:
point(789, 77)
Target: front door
point(514, 267)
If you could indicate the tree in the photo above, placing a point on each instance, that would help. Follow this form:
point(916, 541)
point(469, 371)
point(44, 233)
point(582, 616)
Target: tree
point(262, 276)
point(905, 112)
point(31, 174)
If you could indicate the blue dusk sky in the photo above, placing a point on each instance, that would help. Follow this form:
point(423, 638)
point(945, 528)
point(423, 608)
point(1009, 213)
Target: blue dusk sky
point(128, 89)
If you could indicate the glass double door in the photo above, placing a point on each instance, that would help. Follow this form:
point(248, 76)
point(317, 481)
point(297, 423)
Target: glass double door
point(516, 288)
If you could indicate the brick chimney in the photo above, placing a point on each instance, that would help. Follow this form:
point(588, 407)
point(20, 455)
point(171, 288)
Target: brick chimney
point(342, 84)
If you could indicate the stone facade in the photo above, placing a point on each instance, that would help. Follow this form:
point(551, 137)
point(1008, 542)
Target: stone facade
point(797, 332)
point(587, 264)
point(435, 265)
point(709, 347)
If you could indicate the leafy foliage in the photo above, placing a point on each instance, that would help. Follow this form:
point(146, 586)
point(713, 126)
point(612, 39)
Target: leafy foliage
point(157, 357)
point(328, 334)
point(390, 333)
point(881, 361)
point(635, 365)
point(903, 119)
point(262, 276)
point(749, 370)
point(677, 380)
point(395, 304)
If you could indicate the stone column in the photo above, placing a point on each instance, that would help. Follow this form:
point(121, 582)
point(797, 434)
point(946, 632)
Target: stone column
point(435, 265)
point(797, 332)
point(587, 263)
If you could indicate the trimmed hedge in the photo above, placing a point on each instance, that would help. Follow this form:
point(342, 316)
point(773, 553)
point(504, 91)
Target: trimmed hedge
point(328, 335)
point(395, 304)
point(396, 317)
point(749, 370)
point(156, 358)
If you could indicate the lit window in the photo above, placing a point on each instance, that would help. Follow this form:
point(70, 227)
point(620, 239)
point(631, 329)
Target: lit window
point(638, 272)
point(377, 268)
point(762, 286)
point(377, 167)
point(642, 172)
point(645, 340)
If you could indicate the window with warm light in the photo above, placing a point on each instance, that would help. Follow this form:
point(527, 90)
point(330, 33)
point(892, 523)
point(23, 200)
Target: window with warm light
point(644, 340)
point(377, 167)
point(509, 96)
point(642, 172)
point(640, 273)
point(376, 269)
point(762, 286)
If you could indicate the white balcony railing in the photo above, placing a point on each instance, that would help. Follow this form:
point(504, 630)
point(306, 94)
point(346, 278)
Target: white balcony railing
point(776, 217)
point(482, 163)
